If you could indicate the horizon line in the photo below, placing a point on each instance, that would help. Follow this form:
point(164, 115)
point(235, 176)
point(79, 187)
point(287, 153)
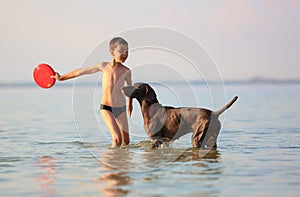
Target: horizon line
point(255, 80)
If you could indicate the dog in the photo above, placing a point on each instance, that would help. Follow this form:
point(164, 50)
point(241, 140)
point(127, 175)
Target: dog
point(167, 123)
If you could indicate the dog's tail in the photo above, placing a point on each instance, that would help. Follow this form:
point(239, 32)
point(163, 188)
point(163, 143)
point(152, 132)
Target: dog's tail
point(220, 111)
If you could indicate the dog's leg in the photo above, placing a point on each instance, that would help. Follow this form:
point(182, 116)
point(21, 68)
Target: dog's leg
point(206, 134)
point(210, 140)
point(198, 133)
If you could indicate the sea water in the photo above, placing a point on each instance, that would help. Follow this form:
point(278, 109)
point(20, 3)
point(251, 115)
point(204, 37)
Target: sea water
point(54, 143)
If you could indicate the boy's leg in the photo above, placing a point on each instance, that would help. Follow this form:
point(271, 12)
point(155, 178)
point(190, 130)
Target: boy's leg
point(123, 125)
point(113, 127)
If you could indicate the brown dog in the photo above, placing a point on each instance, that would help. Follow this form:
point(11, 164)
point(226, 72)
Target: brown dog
point(165, 122)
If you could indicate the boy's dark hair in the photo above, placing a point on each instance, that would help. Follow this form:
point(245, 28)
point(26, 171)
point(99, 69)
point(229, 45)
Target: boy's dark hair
point(116, 41)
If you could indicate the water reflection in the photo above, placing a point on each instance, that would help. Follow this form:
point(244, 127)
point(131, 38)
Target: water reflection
point(206, 167)
point(163, 157)
point(194, 154)
point(115, 163)
point(120, 167)
point(46, 175)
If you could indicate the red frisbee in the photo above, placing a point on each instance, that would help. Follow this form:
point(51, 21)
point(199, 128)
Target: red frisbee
point(42, 75)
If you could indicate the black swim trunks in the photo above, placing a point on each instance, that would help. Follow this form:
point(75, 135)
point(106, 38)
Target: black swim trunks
point(115, 110)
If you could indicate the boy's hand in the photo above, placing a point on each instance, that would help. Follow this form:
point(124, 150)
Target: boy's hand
point(56, 76)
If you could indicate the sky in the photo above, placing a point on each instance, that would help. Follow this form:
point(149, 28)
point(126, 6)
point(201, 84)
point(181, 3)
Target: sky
point(244, 38)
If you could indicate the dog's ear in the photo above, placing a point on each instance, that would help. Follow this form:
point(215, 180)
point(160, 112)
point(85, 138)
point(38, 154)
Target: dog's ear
point(130, 106)
point(150, 94)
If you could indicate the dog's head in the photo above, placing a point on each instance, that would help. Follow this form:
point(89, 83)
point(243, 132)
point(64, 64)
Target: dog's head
point(140, 91)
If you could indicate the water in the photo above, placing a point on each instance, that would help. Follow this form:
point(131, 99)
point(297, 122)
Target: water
point(52, 146)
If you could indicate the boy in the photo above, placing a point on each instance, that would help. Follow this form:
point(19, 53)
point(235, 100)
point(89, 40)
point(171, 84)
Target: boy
point(113, 103)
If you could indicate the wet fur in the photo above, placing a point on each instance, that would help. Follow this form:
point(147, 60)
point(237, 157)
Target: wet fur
point(167, 123)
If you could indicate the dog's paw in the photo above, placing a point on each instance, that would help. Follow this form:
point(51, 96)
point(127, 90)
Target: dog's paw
point(156, 143)
point(160, 142)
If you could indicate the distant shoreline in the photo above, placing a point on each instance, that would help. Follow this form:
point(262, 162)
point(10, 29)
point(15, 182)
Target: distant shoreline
point(225, 82)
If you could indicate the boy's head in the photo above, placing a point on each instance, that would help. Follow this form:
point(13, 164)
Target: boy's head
point(117, 41)
point(118, 48)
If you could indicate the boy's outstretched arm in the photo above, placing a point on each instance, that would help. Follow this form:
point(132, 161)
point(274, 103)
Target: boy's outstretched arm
point(80, 71)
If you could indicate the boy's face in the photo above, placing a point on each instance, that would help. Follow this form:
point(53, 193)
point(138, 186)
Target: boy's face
point(120, 53)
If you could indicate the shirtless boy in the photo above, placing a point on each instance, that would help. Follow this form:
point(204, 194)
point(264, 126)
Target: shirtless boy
point(113, 103)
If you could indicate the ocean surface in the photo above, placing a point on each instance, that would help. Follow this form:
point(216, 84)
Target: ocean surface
point(53, 143)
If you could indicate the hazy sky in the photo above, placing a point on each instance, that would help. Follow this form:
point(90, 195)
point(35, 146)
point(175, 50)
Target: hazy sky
point(245, 38)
